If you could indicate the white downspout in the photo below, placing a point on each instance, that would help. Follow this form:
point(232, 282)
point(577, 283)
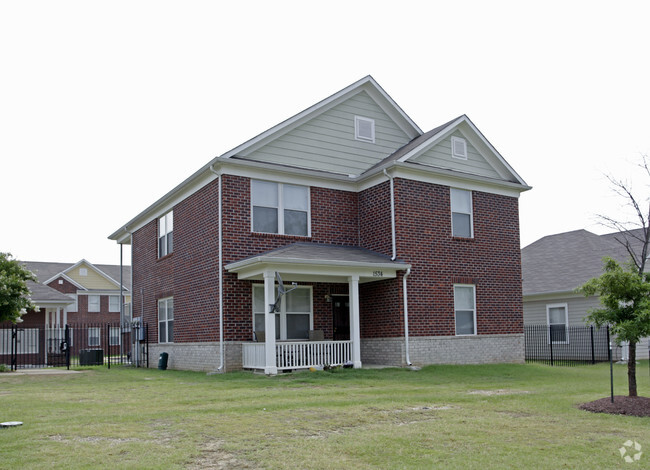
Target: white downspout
point(392, 213)
point(406, 317)
point(221, 349)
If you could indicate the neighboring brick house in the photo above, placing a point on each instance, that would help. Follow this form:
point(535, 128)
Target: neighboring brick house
point(76, 293)
point(403, 246)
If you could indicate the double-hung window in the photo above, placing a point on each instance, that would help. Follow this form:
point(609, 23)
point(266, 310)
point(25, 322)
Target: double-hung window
point(94, 303)
point(114, 336)
point(73, 307)
point(113, 303)
point(166, 320)
point(558, 321)
point(465, 309)
point(280, 208)
point(293, 321)
point(461, 213)
point(94, 336)
point(166, 234)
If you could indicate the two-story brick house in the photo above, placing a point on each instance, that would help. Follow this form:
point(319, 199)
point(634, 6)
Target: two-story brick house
point(403, 246)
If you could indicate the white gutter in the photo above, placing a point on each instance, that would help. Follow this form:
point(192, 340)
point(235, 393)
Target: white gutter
point(221, 349)
point(392, 214)
point(406, 318)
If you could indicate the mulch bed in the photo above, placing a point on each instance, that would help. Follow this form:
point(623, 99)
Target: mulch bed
point(623, 405)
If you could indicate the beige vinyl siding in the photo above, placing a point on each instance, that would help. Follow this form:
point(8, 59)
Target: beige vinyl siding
point(327, 141)
point(440, 156)
point(535, 311)
point(92, 280)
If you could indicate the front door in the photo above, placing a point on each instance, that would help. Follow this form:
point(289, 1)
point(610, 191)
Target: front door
point(341, 314)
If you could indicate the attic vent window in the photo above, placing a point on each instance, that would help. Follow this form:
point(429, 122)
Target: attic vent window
point(458, 148)
point(83, 271)
point(364, 129)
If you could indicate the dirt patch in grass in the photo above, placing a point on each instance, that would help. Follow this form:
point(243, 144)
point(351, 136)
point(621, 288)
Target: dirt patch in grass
point(623, 405)
point(212, 456)
point(501, 391)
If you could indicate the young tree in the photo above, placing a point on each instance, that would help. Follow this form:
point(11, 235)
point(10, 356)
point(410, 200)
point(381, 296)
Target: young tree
point(14, 294)
point(625, 299)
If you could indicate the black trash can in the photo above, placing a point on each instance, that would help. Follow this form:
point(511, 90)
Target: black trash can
point(162, 361)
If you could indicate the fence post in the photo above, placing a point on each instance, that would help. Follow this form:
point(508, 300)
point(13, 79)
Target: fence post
point(593, 355)
point(146, 336)
point(550, 341)
point(14, 345)
point(67, 346)
point(107, 344)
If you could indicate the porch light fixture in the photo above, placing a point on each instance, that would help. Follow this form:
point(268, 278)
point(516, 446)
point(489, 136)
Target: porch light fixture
point(328, 298)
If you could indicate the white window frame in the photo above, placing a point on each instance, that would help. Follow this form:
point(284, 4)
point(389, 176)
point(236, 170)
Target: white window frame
point(98, 330)
point(27, 341)
point(166, 301)
point(112, 330)
point(283, 312)
point(113, 303)
point(75, 306)
point(471, 211)
point(281, 208)
point(99, 303)
point(458, 140)
point(473, 286)
point(165, 234)
point(357, 135)
point(565, 306)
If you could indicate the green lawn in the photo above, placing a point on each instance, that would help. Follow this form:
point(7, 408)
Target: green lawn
point(501, 416)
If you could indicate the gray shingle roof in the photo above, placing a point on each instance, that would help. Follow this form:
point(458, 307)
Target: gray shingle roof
point(564, 261)
point(41, 294)
point(46, 270)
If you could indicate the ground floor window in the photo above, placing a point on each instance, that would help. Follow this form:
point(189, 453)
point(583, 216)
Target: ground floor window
point(94, 335)
point(166, 320)
point(465, 309)
point(295, 318)
point(114, 336)
point(557, 318)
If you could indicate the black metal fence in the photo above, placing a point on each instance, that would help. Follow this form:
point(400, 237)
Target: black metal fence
point(74, 345)
point(566, 346)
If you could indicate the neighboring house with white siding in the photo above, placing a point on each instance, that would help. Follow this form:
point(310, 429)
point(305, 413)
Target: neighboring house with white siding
point(553, 268)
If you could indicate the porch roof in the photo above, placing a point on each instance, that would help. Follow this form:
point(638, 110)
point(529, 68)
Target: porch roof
point(45, 296)
point(318, 262)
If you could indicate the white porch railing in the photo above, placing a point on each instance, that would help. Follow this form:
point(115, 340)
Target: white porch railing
point(297, 354)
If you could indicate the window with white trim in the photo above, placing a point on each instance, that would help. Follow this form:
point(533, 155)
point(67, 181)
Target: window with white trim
point(461, 213)
point(94, 303)
point(27, 341)
point(364, 129)
point(280, 208)
point(295, 318)
point(458, 148)
point(166, 320)
point(94, 336)
point(465, 309)
point(166, 234)
point(557, 318)
point(113, 303)
point(74, 306)
point(114, 336)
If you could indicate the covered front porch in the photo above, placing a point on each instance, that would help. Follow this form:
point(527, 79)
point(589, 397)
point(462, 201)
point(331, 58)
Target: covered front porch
point(306, 263)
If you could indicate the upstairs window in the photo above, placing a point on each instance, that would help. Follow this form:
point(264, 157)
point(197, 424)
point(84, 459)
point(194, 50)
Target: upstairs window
point(93, 303)
point(364, 129)
point(73, 307)
point(461, 213)
point(166, 234)
point(280, 208)
point(458, 148)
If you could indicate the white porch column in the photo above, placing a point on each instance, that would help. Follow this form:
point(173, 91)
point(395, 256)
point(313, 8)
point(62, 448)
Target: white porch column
point(269, 324)
point(355, 329)
point(58, 317)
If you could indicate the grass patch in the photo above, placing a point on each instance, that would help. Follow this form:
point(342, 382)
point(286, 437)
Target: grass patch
point(492, 416)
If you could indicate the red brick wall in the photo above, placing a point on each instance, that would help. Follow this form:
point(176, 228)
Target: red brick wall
point(491, 260)
point(66, 287)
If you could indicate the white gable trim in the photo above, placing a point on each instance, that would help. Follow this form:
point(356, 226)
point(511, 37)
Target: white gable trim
point(477, 139)
point(67, 278)
point(90, 265)
point(367, 84)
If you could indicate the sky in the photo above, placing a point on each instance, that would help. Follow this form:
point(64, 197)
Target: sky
point(106, 106)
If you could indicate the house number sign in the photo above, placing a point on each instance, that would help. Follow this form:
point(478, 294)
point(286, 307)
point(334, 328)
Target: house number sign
point(378, 274)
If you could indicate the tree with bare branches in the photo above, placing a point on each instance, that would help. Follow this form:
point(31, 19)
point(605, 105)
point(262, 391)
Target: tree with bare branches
point(625, 293)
